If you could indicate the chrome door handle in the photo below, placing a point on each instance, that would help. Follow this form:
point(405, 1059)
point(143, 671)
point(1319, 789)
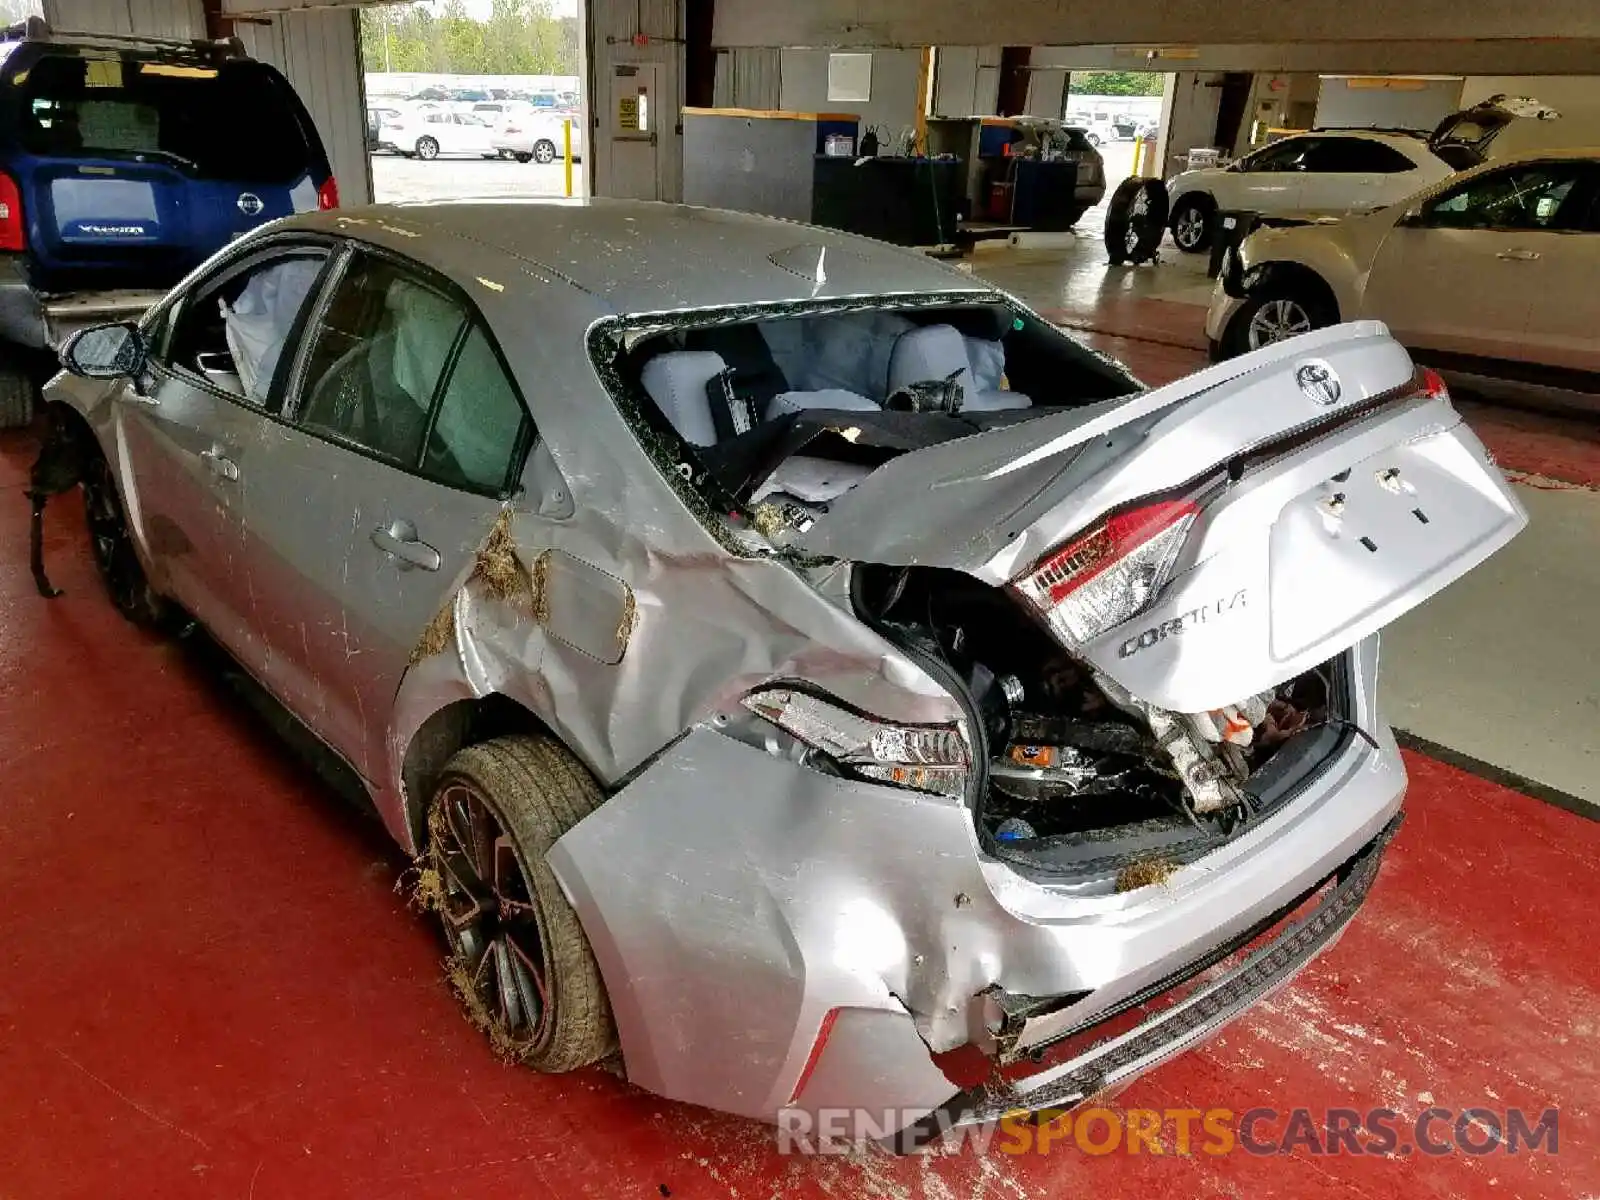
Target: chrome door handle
point(1519, 255)
point(399, 541)
point(219, 463)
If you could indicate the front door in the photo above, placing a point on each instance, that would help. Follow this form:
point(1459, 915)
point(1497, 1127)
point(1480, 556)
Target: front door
point(373, 522)
point(1463, 274)
point(186, 445)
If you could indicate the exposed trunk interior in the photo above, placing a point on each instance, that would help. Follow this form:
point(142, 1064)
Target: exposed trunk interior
point(1078, 784)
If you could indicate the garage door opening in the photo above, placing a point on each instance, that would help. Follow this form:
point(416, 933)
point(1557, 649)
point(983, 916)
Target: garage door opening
point(473, 98)
point(1120, 113)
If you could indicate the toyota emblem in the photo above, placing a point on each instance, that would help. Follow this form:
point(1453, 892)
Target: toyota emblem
point(1318, 383)
point(250, 203)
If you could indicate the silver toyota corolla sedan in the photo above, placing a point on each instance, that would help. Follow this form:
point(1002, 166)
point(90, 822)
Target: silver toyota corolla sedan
point(794, 665)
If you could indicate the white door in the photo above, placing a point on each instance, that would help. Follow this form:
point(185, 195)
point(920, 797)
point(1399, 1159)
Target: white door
point(1465, 273)
point(633, 122)
point(473, 134)
point(1354, 174)
point(1269, 181)
point(1564, 320)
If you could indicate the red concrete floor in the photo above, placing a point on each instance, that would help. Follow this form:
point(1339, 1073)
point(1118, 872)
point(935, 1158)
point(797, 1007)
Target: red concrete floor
point(209, 987)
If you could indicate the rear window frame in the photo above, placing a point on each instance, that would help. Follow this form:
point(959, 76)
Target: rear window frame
point(16, 101)
point(612, 342)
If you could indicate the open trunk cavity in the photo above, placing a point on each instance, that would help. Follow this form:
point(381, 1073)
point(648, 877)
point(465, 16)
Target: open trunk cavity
point(1080, 778)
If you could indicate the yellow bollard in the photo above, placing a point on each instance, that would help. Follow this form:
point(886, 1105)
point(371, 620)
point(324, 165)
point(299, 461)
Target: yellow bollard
point(1138, 157)
point(566, 133)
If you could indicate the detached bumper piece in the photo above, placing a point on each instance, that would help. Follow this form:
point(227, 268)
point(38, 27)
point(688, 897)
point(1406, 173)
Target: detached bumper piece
point(1172, 1030)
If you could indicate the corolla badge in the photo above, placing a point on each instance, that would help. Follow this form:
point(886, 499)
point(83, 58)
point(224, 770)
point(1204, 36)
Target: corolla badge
point(250, 204)
point(1318, 383)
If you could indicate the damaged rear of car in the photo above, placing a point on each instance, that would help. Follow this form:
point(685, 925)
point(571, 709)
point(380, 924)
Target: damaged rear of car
point(1122, 726)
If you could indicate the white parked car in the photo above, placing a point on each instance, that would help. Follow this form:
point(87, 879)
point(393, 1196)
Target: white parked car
point(432, 132)
point(1097, 127)
point(538, 135)
point(1490, 273)
point(1323, 172)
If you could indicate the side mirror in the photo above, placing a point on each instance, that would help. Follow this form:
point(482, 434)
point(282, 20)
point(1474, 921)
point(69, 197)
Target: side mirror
point(106, 352)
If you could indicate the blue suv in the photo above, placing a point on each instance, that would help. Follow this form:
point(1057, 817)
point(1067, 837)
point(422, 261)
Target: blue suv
point(125, 162)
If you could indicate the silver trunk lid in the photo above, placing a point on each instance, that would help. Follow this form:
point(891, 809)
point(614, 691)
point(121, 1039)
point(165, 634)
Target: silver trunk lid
point(1335, 517)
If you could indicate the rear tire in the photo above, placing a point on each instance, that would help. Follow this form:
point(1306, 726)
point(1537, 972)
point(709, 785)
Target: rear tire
point(16, 398)
point(1272, 313)
point(111, 545)
point(1194, 224)
point(427, 149)
point(523, 157)
point(520, 963)
point(544, 151)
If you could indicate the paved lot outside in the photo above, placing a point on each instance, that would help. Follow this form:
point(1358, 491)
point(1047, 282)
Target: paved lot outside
point(400, 179)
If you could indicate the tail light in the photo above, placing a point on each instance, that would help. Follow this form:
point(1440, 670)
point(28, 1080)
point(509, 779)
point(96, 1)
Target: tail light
point(1431, 384)
point(13, 234)
point(328, 194)
point(1111, 573)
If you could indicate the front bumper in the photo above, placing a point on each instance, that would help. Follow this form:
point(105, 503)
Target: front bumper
point(1117, 1060)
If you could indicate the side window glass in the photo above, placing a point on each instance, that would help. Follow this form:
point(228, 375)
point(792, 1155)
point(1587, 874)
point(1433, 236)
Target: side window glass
point(1531, 197)
point(231, 332)
point(1351, 155)
point(479, 426)
point(375, 358)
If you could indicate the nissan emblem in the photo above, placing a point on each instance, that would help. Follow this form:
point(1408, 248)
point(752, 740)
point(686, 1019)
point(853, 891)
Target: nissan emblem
point(250, 203)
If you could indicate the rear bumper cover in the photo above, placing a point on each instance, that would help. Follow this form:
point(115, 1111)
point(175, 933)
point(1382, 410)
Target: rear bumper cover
point(1120, 1059)
point(42, 322)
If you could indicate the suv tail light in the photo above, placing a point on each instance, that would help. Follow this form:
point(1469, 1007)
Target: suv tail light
point(13, 233)
point(328, 194)
point(1110, 573)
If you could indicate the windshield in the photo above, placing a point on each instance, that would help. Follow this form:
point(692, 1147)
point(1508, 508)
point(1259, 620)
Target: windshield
point(235, 121)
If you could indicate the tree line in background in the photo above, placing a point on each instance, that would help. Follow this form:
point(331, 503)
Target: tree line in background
point(520, 37)
point(1117, 83)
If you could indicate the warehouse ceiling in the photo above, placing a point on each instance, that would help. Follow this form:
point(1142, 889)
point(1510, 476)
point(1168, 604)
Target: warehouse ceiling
point(1156, 22)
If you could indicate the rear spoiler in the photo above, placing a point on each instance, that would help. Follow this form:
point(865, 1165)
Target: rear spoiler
point(37, 29)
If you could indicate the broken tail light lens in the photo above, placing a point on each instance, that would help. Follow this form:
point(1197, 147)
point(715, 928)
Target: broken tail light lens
point(1111, 573)
point(328, 194)
point(925, 758)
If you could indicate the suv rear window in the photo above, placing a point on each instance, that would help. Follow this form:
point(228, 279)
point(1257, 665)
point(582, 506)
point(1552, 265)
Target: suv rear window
point(235, 121)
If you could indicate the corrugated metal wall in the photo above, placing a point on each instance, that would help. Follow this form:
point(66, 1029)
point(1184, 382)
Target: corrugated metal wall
point(748, 78)
point(148, 18)
point(319, 51)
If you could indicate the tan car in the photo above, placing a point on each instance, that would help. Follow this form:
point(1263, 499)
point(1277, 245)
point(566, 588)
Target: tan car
point(1490, 274)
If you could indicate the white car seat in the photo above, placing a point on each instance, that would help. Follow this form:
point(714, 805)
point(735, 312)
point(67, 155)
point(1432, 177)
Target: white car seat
point(934, 353)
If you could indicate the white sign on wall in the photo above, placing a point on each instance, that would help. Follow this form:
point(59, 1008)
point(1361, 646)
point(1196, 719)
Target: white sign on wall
point(850, 78)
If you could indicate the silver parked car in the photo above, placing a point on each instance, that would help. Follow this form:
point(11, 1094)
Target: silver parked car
point(793, 662)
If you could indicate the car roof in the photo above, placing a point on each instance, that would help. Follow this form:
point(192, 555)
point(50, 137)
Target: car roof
point(634, 256)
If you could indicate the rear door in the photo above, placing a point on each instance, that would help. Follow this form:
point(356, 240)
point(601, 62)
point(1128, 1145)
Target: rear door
point(1465, 273)
point(132, 170)
point(404, 434)
point(1354, 174)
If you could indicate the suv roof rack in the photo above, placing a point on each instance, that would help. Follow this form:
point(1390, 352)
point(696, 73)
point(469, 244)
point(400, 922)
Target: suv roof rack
point(37, 29)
